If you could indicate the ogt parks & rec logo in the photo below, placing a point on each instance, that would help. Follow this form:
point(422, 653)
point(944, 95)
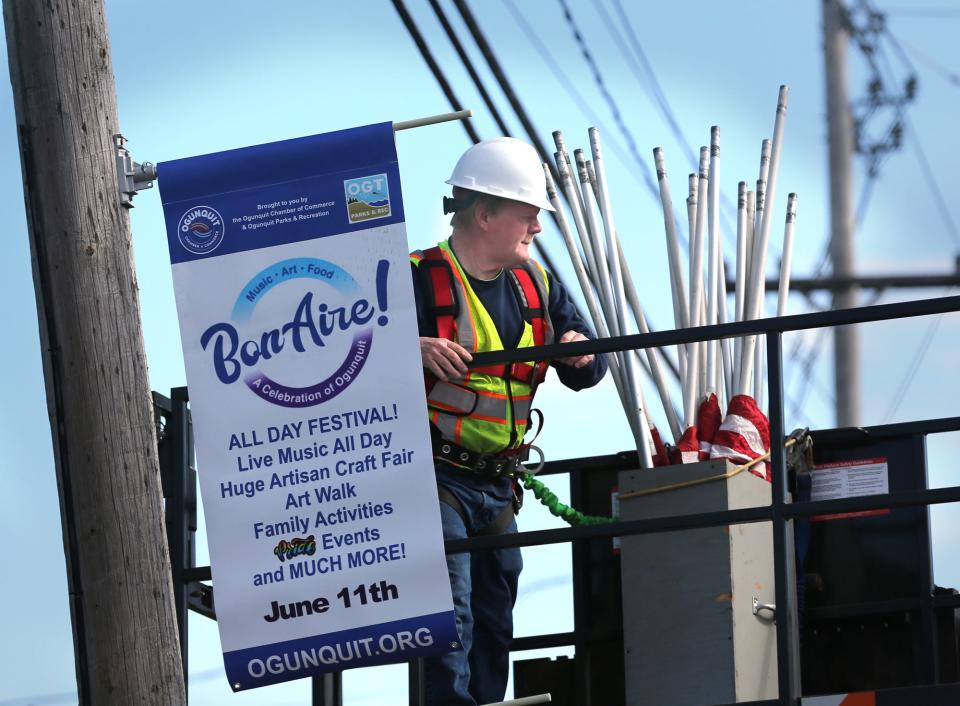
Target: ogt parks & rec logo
point(368, 198)
point(200, 230)
point(312, 324)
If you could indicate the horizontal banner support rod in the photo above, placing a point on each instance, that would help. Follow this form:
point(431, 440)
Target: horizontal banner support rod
point(432, 120)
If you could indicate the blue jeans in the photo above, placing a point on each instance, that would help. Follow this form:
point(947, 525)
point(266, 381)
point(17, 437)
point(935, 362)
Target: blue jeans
point(484, 585)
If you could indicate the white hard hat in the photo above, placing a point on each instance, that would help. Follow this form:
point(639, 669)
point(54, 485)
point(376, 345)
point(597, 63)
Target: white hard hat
point(504, 167)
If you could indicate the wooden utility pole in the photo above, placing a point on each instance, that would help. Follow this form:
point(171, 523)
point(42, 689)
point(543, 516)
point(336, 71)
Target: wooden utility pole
point(118, 566)
point(840, 138)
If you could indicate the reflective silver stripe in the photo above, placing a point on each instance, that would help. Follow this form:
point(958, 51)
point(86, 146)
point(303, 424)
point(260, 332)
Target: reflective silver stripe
point(465, 332)
point(494, 408)
point(447, 424)
point(461, 399)
point(453, 398)
point(521, 409)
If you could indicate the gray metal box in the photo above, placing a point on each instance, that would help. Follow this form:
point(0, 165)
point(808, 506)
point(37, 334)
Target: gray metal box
point(690, 633)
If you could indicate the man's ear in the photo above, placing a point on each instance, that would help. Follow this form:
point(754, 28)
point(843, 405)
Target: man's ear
point(481, 214)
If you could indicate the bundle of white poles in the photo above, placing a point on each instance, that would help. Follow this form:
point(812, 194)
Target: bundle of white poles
point(711, 367)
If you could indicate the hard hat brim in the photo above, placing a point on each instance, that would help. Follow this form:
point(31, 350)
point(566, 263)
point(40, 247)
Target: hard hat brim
point(540, 203)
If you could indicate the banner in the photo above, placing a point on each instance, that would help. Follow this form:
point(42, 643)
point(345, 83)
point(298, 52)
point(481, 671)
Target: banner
point(299, 334)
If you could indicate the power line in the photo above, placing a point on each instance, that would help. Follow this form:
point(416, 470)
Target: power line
point(947, 73)
point(945, 215)
point(634, 168)
point(507, 88)
point(655, 88)
point(435, 69)
point(933, 185)
point(569, 87)
point(925, 168)
point(929, 12)
point(468, 65)
point(915, 365)
point(608, 97)
point(454, 101)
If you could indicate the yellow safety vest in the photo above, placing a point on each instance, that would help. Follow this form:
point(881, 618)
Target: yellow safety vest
point(488, 411)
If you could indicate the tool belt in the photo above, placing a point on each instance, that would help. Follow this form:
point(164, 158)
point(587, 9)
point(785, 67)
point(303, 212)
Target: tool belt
point(489, 465)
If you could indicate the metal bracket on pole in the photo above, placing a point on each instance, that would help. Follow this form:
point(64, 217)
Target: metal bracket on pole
point(200, 599)
point(132, 177)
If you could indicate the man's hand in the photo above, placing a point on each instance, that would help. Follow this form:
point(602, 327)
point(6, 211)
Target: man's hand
point(576, 361)
point(444, 358)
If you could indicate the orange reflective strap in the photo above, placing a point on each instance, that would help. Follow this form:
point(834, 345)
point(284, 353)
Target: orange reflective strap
point(532, 305)
point(443, 304)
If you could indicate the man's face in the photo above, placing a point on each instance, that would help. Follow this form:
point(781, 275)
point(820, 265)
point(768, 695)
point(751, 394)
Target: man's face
point(510, 231)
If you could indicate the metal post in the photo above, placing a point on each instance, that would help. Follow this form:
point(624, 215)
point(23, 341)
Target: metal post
point(327, 689)
point(581, 594)
point(784, 551)
point(178, 514)
point(929, 651)
point(840, 143)
point(416, 682)
point(178, 478)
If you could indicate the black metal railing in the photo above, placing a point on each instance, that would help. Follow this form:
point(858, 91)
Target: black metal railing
point(781, 512)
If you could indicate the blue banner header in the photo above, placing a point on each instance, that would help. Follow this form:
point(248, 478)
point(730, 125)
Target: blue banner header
point(302, 191)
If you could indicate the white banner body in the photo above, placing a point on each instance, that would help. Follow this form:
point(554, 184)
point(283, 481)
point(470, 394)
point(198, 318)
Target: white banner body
point(299, 334)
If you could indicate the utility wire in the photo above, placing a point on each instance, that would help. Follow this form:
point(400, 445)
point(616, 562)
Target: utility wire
point(915, 364)
point(932, 184)
point(950, 224)
point(939, 12)
point(571, 89)
point(655, 89)
point(481, 41)
point(809, 357)
point(468, 65)
point(434, 66)
point(608, 98)
point(455, 103)
point(505, 86)
point(947, 73)
point(928, 176)
point(635, 169)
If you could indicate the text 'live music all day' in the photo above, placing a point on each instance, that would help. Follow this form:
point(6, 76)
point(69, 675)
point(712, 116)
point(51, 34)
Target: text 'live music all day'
point(374, 447)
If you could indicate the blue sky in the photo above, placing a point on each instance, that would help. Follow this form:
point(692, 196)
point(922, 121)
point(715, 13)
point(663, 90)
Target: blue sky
point(196, 77)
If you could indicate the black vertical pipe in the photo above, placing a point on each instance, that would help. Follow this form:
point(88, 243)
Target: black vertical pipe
point(177, 514)
point(929, 645)
point(415, 682)
point(327, 689)
point(784, 551)
point(580, 553)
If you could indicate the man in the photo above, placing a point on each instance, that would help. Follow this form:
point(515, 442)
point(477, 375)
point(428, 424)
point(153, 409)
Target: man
point(481, 291)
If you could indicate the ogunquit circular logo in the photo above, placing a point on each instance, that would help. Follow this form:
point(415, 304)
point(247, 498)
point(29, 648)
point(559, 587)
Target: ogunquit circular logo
point(200, 230)
point(309, 327)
